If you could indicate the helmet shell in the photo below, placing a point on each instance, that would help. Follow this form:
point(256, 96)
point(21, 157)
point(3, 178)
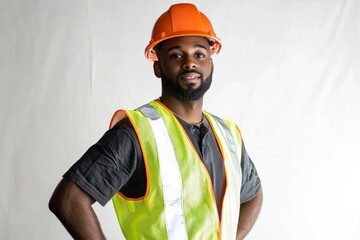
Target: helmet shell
point(181, 20)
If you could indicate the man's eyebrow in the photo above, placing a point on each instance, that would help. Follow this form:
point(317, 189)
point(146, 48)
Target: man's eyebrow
point(195, 46)
point(172, 48)
point(201, 46)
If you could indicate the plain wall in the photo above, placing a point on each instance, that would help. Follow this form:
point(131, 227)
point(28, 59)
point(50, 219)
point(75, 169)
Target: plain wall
point(288, 75)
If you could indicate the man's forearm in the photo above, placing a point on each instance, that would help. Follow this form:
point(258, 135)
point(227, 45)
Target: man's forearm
point(249, 212)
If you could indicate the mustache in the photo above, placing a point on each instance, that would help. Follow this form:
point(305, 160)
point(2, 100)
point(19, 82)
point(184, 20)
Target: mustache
point(189, 71)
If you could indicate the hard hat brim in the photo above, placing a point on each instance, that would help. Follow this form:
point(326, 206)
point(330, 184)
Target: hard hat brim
point(150, 52)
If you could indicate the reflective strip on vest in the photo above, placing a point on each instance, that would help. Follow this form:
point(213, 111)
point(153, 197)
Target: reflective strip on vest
point(170, 175)
point(230, 143)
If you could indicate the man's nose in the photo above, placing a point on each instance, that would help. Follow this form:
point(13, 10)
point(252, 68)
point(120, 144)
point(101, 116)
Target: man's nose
point(189, 63)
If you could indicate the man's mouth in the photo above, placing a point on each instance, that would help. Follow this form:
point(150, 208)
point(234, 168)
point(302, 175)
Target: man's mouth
point(190, 76)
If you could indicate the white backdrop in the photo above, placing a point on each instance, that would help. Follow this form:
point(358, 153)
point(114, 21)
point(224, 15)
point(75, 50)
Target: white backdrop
point(288, 74)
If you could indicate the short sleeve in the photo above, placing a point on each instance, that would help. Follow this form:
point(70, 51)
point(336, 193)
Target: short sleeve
point(106, 166)
point(251, 183)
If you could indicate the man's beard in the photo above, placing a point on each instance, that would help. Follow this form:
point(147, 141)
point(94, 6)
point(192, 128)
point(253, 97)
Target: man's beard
point(188, 94)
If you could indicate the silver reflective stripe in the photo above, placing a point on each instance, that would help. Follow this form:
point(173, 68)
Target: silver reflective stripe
point(230, 142)
point(170, 176)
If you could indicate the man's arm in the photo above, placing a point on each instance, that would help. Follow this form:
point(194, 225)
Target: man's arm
point(249, 211)
point(73, 207)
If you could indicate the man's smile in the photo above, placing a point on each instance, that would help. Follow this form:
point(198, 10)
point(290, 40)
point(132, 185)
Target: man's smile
point(190, 77)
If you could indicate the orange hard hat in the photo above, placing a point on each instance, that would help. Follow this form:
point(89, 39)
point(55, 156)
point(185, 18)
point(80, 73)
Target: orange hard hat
point(182, 19)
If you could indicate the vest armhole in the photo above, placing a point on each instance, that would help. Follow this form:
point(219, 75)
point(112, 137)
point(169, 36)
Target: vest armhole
point(124, 113)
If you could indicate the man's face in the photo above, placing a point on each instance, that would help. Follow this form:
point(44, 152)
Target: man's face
point(185, 67)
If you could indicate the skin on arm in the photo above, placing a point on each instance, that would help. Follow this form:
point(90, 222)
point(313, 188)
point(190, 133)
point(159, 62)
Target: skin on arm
point(249, 212)
point(73, 207)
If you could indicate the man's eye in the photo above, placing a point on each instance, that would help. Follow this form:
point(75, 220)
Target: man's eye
point(199, 55)
point(175, 56)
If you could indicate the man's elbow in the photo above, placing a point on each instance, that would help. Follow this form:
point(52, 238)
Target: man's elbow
point(56, 204)
point(68, 197)
point(60, 201)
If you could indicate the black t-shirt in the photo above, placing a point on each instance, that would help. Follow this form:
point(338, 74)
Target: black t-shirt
point(115, 164)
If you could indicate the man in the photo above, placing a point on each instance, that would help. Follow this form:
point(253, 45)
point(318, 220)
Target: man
point(173, 170)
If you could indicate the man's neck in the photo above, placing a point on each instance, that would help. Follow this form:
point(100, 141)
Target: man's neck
point(190, 111)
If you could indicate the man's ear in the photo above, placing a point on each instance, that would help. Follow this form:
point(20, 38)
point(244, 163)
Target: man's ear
point(157, 69)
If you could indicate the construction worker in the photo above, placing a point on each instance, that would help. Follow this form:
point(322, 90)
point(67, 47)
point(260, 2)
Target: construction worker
point(172, 170)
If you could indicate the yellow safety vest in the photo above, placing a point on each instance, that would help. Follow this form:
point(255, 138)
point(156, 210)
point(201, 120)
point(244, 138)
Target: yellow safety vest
point(179, 202)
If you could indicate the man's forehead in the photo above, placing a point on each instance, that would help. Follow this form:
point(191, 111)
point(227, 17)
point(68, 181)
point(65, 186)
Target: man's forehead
point(192, 41)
